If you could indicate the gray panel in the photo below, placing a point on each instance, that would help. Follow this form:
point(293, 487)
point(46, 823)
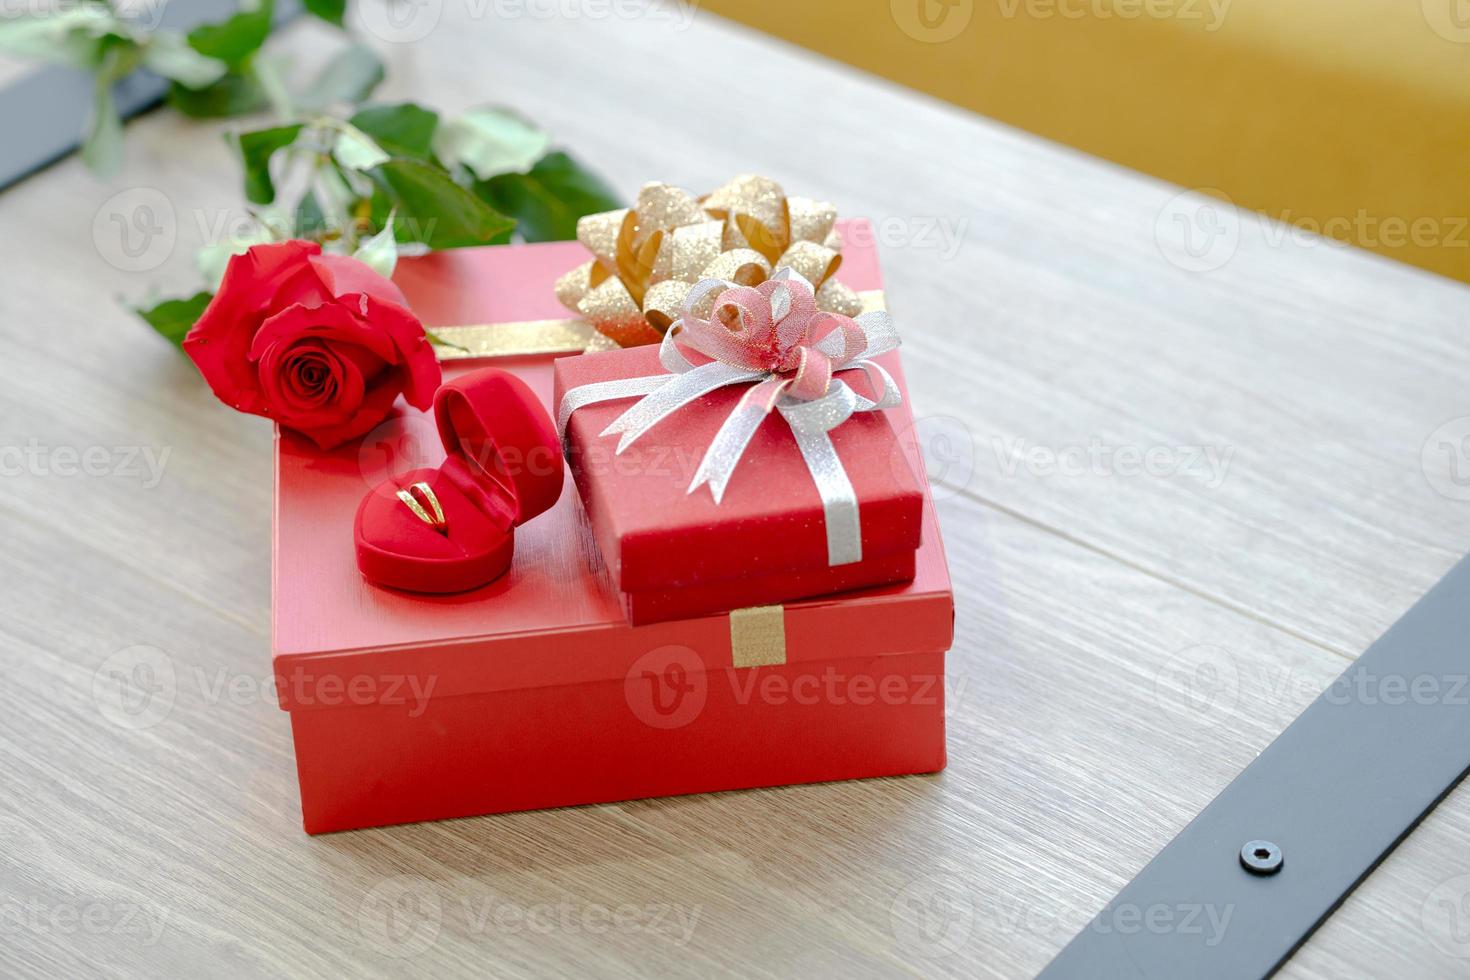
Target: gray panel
point(1336, 791)
point(42, 113)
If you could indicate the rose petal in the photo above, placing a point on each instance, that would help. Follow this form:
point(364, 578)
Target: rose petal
point(421, 375)
point(344, 276)
point(341, 400)
point(377, 403)
point(219, 342)
point(331, 323)
point(251, 280)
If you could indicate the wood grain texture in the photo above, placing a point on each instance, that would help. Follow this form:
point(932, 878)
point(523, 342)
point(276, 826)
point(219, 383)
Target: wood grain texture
point(1038, 301)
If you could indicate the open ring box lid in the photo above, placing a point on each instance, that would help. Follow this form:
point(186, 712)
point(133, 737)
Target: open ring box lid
point(503, 466)
point(534, 690)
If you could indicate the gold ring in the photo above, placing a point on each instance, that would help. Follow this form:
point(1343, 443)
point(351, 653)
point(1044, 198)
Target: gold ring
point(410, 498)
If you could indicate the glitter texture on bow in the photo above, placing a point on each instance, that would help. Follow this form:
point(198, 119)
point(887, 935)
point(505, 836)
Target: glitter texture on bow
point(774, 337)
point(647, 258)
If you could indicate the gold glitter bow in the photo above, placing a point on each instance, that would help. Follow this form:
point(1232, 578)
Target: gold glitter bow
point(646, 258)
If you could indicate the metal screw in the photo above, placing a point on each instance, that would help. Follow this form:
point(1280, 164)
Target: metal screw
point(1260, 857)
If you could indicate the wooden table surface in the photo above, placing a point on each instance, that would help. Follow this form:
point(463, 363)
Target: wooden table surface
point(1182, 484)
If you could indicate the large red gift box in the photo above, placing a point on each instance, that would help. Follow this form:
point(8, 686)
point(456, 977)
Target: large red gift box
point(535, 691)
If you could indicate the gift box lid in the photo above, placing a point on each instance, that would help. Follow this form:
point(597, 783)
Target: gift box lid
point(554, 618)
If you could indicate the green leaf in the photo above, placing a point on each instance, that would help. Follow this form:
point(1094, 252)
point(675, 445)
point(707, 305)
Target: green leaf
point(234, 40)
point(102, 144)
point(355, 150)
point(169, 55)
point(405, 130)
point(334, 12)
point(256, 149)
point(547, 201)
point(433, 209)
point(173, 318)
point(270, 226)
point(439, 341)
point(349, 77)
point(337, 199)
point(71, 37)
point(233, 95)
point(490, 141)
point(380, 253)
point(311, 221)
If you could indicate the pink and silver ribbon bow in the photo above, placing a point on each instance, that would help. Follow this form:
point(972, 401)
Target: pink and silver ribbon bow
point(773, 336)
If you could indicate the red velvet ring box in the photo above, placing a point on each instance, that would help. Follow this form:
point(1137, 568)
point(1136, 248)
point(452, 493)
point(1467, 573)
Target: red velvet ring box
point(534, 690)
point(502, 467)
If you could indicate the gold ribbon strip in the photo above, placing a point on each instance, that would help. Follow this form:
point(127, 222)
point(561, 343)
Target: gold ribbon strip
point(758, 636)
point(518, 339)
point(570, 336)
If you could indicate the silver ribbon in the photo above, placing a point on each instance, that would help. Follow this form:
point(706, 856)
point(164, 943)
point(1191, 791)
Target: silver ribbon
point(661, 395)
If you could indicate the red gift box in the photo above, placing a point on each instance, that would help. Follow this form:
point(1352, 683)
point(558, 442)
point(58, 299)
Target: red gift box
point(534, 691)
point(676, 554)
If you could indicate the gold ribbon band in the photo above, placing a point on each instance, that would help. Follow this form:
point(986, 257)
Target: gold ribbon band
point(568, 336)
point(758, 636)
point(530, 337)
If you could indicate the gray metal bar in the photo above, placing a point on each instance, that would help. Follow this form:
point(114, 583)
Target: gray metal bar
point(1248, 881)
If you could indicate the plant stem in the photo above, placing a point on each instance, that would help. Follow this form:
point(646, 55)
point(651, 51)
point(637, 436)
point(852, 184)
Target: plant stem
point(269, 77)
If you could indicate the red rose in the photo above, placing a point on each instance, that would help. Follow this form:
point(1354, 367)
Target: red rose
point(320, 343)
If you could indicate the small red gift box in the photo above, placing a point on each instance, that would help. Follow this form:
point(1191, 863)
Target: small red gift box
point(534, 691)
point(675, 553)
point(674, 548)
